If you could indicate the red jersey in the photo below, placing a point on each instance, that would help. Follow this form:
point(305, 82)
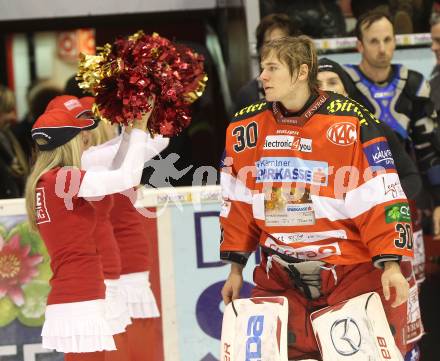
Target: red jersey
point(131, 233)
point(67, 231)
point(105, 239)
point(303, 186)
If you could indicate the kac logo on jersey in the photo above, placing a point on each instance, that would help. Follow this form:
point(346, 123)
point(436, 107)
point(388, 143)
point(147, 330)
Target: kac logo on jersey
point(288, 142)
point(255, 328)
point(379, 155)
point(342, 133)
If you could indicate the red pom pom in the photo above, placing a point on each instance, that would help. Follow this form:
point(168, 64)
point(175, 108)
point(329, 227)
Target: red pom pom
point(143, 66)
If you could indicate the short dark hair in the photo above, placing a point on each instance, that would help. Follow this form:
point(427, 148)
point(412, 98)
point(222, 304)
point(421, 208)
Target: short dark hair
point(369, 18)
point(273, 21)
point(326, 64)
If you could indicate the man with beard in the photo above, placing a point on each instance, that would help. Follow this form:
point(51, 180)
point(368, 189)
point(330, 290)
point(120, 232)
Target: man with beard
point(399, 97)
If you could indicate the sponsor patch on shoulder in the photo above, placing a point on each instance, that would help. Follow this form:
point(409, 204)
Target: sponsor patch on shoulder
point(399, 212)
point(350, 107)
point(379, 155)
point(249, 110)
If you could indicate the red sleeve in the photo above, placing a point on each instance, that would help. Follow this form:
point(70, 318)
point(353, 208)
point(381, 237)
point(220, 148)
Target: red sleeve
point(378, 205)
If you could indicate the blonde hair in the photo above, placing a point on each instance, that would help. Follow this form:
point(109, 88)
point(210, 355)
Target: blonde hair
point(102, 133)
point(293, 52)
point(68, 154)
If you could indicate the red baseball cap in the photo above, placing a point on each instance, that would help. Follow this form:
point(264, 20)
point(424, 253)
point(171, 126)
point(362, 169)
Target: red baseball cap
point(71, 104)
point(87, 102)
point(57, 126)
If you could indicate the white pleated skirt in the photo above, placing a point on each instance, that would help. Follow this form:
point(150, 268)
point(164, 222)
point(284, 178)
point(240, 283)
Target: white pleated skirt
point(116, 310)
point(138, 295)
point(77, 327)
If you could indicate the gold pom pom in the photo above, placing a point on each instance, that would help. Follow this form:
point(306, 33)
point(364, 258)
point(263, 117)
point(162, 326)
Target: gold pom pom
point(191, 97)
point(136, 36)
point(91, 68)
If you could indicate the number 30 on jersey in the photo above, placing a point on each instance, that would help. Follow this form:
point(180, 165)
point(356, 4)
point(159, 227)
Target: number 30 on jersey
point(246, 136)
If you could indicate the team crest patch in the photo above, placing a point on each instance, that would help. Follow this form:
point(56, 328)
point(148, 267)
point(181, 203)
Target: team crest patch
point(342, 133)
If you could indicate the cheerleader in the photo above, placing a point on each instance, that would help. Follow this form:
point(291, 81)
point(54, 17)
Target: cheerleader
point(60, 201)
point(131, 233)
point(103, 156)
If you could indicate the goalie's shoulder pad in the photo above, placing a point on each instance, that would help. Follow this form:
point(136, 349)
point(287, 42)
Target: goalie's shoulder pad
point(416, 85)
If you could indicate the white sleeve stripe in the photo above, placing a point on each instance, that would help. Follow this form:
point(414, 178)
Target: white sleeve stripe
point(234, 189)
point(330, 208)
point(380, 189)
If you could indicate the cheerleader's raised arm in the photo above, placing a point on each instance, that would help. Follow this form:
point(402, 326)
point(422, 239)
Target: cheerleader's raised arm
point(98, 183)
point(111, 154)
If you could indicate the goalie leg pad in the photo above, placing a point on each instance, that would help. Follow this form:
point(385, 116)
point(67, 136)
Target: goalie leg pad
point(364, 278)
point(356, 329)
point(255, 329)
